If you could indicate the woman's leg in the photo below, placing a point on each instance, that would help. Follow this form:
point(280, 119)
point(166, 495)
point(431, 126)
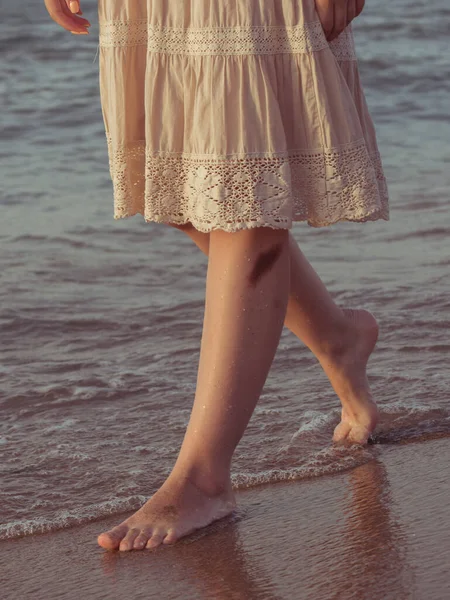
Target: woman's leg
point(247, 288)
point(342, 340)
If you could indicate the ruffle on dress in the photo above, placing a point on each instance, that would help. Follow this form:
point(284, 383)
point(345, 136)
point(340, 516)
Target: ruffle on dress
point(233, 115)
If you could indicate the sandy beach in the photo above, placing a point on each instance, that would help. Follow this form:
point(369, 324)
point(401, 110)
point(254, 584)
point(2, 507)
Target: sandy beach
point(377, 531)
point(101, 322)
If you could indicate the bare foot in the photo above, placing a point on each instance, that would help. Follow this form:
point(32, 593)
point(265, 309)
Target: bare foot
point(346, 369)
point(178, 508)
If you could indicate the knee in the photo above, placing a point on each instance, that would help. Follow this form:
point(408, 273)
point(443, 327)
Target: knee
point(265, 261)
point(270, 245)
point(263, 248)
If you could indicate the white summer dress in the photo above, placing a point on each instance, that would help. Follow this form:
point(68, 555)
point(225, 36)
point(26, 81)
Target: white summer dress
point(232, 114)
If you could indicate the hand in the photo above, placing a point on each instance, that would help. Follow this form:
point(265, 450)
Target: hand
point(335, 15)
point(64, 13)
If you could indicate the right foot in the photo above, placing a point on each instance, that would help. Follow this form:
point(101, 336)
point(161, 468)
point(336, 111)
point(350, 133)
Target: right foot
point(178, 508)
point(345, 367)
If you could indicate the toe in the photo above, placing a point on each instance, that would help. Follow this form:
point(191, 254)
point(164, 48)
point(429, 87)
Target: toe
point(111, 539)
point(359, 435)
point(171, 537)
point(141, 541)
point(156, 539)
point(128, 540)
point(341, 432)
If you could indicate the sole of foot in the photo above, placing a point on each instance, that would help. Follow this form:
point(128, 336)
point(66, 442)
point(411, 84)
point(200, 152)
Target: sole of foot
point(346, 369)
point(177, 509)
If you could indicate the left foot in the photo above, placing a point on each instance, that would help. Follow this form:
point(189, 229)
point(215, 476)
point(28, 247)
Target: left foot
point(178, 508)
point(346, 370)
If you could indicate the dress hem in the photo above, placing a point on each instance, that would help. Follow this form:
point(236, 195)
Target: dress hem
point(375, 215)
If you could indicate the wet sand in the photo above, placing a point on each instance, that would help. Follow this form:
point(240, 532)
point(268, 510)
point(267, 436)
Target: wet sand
point(377, 531)
point(101, 324)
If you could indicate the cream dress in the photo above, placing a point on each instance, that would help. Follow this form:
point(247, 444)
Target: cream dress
point(232, 114)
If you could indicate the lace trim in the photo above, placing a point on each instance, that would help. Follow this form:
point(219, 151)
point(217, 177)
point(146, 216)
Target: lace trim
point(343, 47)
point(236, 192)
point(210, 41)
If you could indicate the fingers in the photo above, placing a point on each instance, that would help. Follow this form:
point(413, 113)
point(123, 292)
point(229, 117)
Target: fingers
point(74, 6)
point(71, 8)
point(60, 12)
point(344, 11)
point(333, 15)
point(340, 19)
point(351, 10)
point(359, 6)
point(325, 13)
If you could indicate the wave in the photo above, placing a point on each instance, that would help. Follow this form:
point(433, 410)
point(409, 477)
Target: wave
point(326, 462)
point(399, 424)
point(67, 518)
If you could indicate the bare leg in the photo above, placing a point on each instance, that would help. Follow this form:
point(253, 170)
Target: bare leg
point(247, 290)
point(341, 339)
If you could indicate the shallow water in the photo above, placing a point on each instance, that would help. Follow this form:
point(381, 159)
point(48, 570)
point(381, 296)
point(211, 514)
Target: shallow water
point(101, 320)
point(358, 535)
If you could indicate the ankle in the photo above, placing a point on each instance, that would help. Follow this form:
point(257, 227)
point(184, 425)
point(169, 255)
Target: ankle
point(336, 346)
point(211, 480)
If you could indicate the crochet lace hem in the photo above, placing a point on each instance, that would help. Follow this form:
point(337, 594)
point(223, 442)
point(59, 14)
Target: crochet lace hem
point(236, 192)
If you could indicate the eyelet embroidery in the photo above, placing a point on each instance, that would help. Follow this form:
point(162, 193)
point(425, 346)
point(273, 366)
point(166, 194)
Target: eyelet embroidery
point(236, 192)
point(211, 41)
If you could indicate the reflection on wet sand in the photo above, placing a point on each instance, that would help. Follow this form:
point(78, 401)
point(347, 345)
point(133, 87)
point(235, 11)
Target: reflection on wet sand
point(214, 563)
point(227, 571)
point(362, 556)
point(373, 553)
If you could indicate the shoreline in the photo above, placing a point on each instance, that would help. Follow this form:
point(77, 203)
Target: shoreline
point(376, 531)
